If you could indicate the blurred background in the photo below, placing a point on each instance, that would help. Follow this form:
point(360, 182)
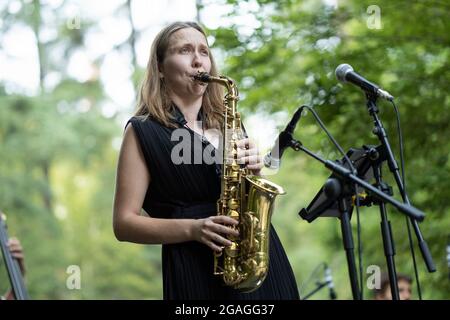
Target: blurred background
point(69, 73)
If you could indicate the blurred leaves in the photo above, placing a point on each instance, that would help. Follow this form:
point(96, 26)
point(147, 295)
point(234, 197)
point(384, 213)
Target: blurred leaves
point(294, 64)
point(59, 150)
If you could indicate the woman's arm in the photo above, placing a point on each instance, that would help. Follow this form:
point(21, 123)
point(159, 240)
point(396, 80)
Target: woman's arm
point(132, 181)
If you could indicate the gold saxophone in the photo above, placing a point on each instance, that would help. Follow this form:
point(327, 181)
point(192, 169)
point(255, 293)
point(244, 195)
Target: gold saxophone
point(247, 198)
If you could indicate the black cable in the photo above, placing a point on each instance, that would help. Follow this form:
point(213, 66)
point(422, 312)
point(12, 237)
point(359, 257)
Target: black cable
point(408, 227)
point(358, 222)
point(400, 139)
point(336, 144)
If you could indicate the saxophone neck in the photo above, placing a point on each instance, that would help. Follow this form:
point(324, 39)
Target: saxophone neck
point(228, 83)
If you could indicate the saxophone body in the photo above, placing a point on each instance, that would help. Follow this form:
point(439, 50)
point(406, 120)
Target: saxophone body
point(247, 198)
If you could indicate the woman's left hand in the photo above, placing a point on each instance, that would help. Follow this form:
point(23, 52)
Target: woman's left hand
point(248, 154)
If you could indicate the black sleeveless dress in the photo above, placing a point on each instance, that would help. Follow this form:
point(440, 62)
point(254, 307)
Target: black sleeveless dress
point(191, 191)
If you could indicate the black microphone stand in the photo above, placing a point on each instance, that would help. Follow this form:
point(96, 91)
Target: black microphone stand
point(346, 174)
point(341, 191)
point(386, 231)
point(388, 241)
point(339, 188)
point(393, 167)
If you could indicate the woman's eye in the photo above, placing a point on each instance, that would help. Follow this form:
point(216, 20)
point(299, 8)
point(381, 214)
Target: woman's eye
point(184, 50)
point(205, 52)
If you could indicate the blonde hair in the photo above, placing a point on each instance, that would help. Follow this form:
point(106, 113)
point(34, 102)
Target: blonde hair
point(153, 98)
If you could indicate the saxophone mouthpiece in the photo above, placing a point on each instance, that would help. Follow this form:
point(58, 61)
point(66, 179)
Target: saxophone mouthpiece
point(202, 76)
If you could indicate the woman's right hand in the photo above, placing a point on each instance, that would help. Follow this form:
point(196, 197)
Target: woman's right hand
point(213, 231)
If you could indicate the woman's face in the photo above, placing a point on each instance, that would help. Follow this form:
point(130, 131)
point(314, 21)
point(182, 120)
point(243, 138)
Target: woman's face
point(186, 54)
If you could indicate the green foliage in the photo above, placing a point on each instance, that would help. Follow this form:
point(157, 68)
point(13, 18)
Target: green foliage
point(59, 152)
point(289, 59)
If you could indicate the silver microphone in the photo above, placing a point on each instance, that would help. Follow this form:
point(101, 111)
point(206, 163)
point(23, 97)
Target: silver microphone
point(345, 73)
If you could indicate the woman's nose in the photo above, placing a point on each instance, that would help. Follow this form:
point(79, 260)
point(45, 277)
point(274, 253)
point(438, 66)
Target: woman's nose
point(196, 60)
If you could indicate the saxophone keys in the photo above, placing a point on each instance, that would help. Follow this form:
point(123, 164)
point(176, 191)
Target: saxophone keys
point(233, 204)
point(232, 251)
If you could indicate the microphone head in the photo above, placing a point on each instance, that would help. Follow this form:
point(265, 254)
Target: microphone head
point(271, 162)
point(342, 70)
